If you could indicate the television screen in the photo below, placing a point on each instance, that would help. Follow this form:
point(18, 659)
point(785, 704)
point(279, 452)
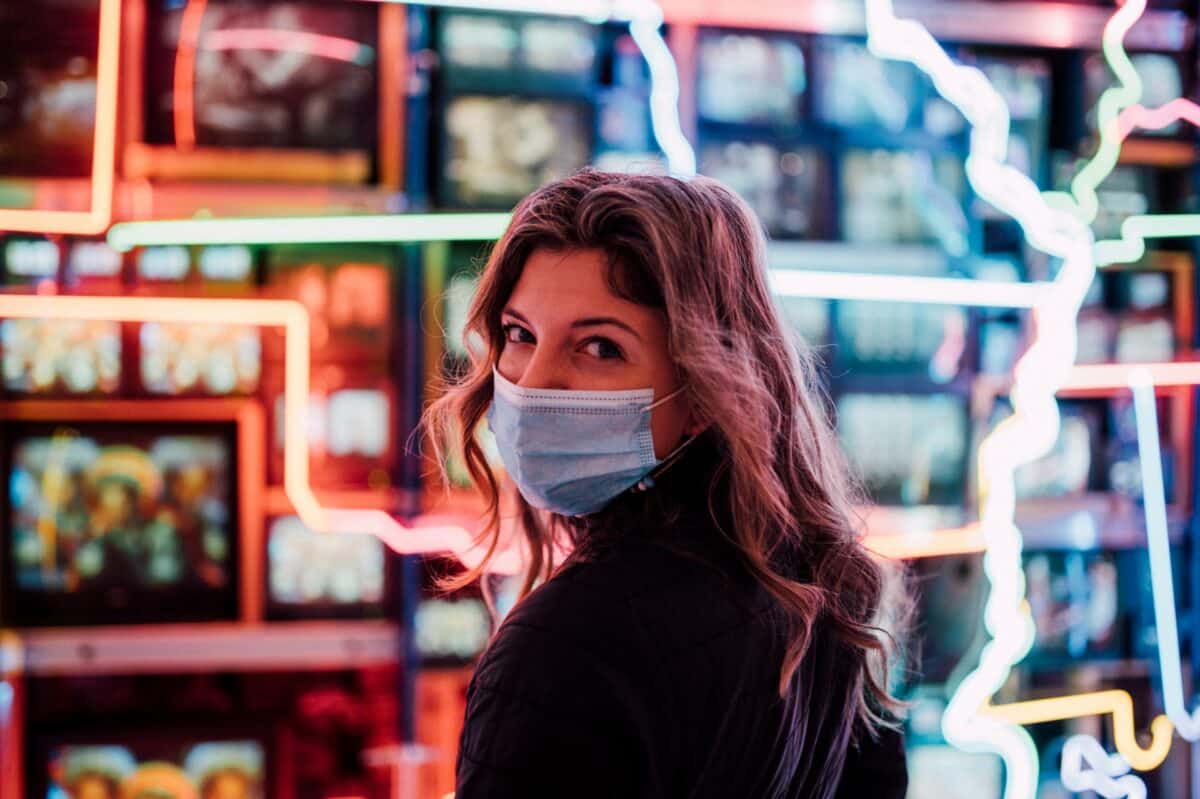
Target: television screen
point(1145, 339)
point(940, 771)
point(295, 75)
point(808, 316)
point(323, 574)
point(48, 52)
point(227, 264)
point(1075, 464)
point(157, 768)
point(120, 522)
point(1162, 81)
point(498, 149)
point(30, 260)
point(897, 196)
point(784, 186)
point(517, 47)
point(856, 89)
point(1075, 603)
point(351, 421)
point(902, 338)
point(452, 629)
point(165, 264)
point(60, 356)
point(909, 449)
point(94, 261)
point(748, 78)
point(199, 359)
point(951, 591)
point(348, 293)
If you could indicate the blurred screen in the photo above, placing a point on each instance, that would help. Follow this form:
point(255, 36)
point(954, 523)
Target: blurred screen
point(121, 517)
point(348, 295)
point(951, 591)
point(60, 356)
point(745, 78)
point(48, 52)
point(323, 570)
point(856, 89)
point(287, 75)
point(939, 771)
point(902, 337)
point(205, 359)
point(532, 46)
point(158, 770)
point(910, 449)
point(452, 629)
point(895, 196)
point(1075, 464)
point(785, 187)
point(28, 260)
point(1162, 82)
point(498, 149)
point(1074, 600)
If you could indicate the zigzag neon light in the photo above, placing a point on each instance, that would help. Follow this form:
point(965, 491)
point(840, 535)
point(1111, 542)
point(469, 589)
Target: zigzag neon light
point(99, 214)
point(293, 318)
point(970, 722)
point(1155, 506)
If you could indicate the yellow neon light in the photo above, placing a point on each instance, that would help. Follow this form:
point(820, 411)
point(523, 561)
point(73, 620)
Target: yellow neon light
point(293, 318)
point(99, 215)
point(1117, 703)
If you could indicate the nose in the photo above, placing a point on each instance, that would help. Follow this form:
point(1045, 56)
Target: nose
point(544, 369)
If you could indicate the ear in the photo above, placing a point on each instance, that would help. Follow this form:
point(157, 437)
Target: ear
point(694, 425)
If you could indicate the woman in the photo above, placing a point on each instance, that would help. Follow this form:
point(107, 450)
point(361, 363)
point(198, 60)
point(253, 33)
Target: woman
point(711, 632)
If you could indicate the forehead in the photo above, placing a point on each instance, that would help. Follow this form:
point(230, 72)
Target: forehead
point(567, 283)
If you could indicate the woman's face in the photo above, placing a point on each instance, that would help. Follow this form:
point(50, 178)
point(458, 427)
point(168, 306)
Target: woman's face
point(565, 329)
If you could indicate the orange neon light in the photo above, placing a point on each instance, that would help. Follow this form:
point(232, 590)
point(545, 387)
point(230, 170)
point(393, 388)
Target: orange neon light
point(185, 74)
point(927, 544)
point(99, 214)
point(432, 535)
point(1097, 377)
point(1117, 703)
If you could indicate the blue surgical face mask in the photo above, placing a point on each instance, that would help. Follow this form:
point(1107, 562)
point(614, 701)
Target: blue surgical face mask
point(571, 452)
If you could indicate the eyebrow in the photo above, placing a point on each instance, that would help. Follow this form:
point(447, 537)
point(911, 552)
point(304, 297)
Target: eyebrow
point(591, 321)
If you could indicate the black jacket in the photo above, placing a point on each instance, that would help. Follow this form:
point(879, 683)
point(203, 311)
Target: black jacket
point(649, 670)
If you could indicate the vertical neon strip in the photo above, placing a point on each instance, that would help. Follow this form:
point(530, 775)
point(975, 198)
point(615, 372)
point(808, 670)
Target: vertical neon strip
point(1159, 542)
point(1033, 427)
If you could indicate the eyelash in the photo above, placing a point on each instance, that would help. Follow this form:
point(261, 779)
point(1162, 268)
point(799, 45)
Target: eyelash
point(618, 354)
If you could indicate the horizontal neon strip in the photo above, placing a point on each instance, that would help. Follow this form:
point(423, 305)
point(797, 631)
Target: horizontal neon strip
point(310, 230)
point(932, 544)
point(1096, 377)
point(1099, 703)
point(904, 288)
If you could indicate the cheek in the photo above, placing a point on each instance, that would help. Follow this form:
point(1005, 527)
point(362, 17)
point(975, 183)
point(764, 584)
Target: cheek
point(666, 425)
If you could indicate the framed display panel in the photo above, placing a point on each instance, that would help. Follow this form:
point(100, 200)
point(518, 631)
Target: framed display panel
point(210, 760)
point(348, 291)
point(48, 66)
point(482, 51)
point(496, 149)
point(324, 575)
point(352, 416)
point(787, 185)
point(130, 512)
point(748, 78)
point(1080, 605)
point(908, 448)
point(60, 357)
point(929, 342)
point(287, 91)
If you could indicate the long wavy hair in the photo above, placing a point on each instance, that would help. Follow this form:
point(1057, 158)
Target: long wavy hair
point(778, 487)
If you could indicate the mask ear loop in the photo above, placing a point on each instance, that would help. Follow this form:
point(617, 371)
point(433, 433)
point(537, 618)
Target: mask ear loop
point(647, 482)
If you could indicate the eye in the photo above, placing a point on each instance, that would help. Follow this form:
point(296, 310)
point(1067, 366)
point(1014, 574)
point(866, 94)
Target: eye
point(603, 348)
point(515, 334)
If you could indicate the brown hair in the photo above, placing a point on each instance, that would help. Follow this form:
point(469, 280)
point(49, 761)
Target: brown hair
point(780, 491)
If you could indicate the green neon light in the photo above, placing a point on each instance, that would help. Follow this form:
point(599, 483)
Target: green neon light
point(1136, 229)
point(310, 230)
